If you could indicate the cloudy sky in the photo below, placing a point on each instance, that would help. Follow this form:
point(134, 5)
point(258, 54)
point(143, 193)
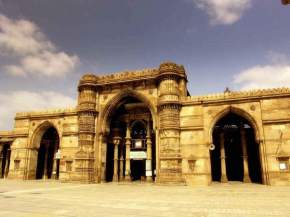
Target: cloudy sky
point(46, 45)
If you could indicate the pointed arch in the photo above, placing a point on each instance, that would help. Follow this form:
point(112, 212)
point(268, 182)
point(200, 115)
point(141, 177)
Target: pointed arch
point(39, 132)
point(118, 100)
point(237, 111)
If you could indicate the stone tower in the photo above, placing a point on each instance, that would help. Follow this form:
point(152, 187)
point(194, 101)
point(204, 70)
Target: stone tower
point(172, 85)
point(87, 113)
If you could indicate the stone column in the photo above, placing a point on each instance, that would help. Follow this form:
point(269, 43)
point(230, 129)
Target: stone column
point(128, 144)
point(122, 164)
point(103, 157)
point(149, 153)
point(46, 145)
point(7, 163)
point(116, 152)
point(54, 164)
point(1, 160)
point(224, 178)
point(245, 155)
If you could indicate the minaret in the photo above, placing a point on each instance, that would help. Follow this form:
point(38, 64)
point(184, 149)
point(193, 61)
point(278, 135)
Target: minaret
point(172, 85)
point(87, 112)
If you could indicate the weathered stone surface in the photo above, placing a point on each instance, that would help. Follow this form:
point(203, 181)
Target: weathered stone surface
point(182, 127)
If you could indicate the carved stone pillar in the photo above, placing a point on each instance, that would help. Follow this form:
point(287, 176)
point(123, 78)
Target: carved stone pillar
point(224, 178)
point(103, 141)
point(87, 112)
point(169, 113)
point(1, 161)
point(7, 163)
point(46, 146)
point(245, 155)
point(128, 145)
point(149, 154)
point(122, 177)
point(116, 150)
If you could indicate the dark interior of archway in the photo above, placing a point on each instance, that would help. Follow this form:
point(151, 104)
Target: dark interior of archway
point(48, 146)
point(139, 132)
point(231, 126)
point(6, 152)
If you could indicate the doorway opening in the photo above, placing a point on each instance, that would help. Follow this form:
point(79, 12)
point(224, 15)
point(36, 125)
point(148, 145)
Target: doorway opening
point(5, 160)
point(131, 142)
point(236, 156)
point(47, 167)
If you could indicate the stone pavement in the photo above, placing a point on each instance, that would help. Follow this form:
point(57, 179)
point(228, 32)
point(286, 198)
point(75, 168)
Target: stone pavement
point(46, 199)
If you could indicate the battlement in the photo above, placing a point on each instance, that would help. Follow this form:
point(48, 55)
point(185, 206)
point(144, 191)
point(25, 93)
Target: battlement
point(128, 76)
point(135, 75)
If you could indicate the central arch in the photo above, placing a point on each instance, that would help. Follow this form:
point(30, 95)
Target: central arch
point(128, 123)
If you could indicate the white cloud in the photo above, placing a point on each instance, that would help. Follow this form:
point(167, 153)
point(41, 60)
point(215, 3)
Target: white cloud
point(225, 12)
point(36, 54)
point(276, 74)
point(17, 101)
point(277, 58)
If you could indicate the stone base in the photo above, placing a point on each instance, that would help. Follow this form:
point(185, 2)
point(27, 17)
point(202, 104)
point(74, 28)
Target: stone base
point(171, 178)
point(224, 179)
point(247, 179)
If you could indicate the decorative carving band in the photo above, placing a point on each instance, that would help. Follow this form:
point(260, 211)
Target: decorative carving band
point(88, 80)
point(170, 68)
point(87, 107)
point(87, 122)
point(169, 86)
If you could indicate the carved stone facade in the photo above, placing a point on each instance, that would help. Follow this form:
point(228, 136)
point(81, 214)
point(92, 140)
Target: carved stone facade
point(143, 125)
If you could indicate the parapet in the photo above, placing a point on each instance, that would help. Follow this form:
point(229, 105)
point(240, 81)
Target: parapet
point(45, 113)
point(135, 75)
point(238, 95)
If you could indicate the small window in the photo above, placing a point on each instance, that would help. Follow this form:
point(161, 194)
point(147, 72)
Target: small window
point(16, 164)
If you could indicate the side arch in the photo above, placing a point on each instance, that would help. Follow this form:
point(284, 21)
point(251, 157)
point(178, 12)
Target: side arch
point(39, 131)
point(118, 100)
point(237, 111)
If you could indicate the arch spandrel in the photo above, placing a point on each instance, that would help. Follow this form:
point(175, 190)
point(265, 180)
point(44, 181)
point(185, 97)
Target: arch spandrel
point(117, 100)
point(238, 111)
point(39, 130)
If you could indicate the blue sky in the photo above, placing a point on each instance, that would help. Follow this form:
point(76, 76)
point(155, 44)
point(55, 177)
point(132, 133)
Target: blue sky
point(46, 45)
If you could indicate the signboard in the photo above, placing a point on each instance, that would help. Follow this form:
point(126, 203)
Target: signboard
point(138, 155)
point(58, 154)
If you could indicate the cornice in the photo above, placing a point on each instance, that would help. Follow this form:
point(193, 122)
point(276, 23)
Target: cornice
point(49, 113)
point(237, 96)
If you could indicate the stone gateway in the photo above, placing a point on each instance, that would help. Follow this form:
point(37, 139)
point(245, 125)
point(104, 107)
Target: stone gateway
point(143, 125)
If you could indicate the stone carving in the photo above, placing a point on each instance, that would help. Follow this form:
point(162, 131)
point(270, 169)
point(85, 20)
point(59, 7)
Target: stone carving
point(180, 126)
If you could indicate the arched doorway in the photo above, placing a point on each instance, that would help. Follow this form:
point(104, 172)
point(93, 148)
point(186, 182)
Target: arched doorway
point(236, 154)
point(47, 167)
point(130, 142)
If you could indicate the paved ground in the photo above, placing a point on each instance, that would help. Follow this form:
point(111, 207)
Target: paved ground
point(46, 199)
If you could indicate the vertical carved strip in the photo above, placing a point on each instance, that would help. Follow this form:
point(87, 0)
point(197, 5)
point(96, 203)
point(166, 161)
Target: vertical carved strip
point(87, 114)
point(169, 114)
